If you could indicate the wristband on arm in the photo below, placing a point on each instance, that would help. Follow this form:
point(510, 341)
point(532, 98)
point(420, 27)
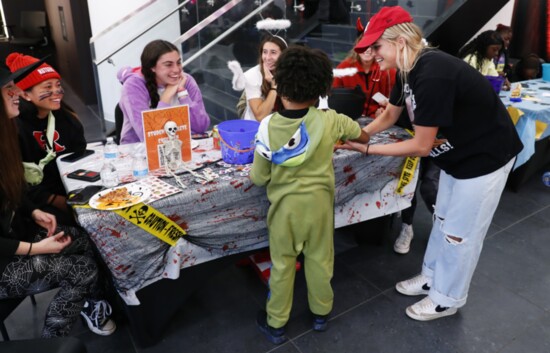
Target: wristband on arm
point(30, 248)
point(367, 151)
point(183, 94)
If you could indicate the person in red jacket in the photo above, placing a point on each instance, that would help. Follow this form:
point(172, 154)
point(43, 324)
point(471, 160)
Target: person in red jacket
point(369, 77)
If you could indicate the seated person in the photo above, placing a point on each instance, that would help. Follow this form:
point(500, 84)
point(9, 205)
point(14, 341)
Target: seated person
point(35, 255)
point(502, 62)
point(369, 77)
point(159, 83)
point(528, 68)
point(481, 51)
point(42, 110)
point(260, 87)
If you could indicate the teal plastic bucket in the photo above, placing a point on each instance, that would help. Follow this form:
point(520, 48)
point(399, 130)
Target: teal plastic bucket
point(546, 72)
point(238, 140)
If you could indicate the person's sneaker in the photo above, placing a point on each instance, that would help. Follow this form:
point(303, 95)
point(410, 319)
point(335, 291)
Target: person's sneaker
point(426, 310)
point(402, 244)
point(320, 323)
point(97, 314)
point(274, 335)
point(418, 285)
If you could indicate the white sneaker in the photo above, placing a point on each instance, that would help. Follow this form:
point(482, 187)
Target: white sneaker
point(97, 315)
point(403, 241)
point(426, 310)
point(418, 285)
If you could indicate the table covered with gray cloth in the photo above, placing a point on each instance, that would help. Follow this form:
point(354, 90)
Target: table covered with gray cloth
point(228, 216)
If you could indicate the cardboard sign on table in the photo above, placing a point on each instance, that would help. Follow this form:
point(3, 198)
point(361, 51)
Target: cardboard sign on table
point(155, 135)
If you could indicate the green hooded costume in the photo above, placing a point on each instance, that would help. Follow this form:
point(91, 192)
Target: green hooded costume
point(301, 215)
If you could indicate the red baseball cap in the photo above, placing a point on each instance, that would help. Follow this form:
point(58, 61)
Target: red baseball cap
point(387, 16)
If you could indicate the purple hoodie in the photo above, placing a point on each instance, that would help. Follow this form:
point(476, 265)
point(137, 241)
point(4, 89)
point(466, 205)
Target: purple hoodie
point(135, 98)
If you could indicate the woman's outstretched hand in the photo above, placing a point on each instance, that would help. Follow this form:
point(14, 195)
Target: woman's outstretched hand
point(354, 146)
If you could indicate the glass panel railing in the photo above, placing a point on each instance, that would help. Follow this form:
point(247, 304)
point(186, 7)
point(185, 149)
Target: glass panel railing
point(337, 34)
point(121, 44)
point(212, 32)
point(232, 37)
point(209, 33)
point(425, 12)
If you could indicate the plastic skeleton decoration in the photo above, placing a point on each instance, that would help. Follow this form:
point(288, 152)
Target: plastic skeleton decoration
point(171, 150)
point(171, 147)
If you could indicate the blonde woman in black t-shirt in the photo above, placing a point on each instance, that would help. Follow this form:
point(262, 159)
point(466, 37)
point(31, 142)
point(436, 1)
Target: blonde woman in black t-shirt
point(445, 97)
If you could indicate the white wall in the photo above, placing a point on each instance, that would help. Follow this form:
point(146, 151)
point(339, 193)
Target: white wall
point(117, 9)
point(103, 14)
point(504, 16)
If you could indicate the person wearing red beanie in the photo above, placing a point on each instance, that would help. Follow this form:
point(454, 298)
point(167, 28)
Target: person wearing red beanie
point(41, 106)
point(36, 253)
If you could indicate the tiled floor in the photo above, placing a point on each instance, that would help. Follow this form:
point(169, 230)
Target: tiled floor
point(507, 310)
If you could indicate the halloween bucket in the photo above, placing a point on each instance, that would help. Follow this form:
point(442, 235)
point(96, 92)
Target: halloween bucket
point(237, 139)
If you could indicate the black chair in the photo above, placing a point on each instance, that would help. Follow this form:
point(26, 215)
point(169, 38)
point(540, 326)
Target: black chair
point(347, 101)
point(31, 32)
point(7, 306)
point(119, 119)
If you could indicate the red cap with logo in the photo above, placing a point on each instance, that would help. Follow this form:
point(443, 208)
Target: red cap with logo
point(387, 17)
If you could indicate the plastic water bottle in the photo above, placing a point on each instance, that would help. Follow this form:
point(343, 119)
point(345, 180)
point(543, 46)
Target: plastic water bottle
point(109, 174)
point(110, 150)
point(140, 169)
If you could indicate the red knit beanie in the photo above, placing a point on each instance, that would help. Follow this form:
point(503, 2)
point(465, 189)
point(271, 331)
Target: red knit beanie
point(44, 72)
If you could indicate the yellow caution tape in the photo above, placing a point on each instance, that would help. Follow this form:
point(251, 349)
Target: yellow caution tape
point(409, 168)
point(152, 221)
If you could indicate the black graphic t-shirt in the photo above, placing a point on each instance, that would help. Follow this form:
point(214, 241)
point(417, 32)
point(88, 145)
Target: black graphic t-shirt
point(444, 91)
point(68, 137)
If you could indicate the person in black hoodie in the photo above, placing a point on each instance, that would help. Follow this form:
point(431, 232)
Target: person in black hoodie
point(36, 254)
point(41, 106)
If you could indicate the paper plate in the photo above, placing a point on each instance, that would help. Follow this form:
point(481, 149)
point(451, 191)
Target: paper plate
point(135, 194)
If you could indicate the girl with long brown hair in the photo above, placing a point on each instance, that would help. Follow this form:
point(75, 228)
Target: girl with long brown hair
point(159, 83)
point(261, 88)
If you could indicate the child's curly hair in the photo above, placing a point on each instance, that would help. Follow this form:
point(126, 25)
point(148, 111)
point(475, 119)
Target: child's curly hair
point(303, 74)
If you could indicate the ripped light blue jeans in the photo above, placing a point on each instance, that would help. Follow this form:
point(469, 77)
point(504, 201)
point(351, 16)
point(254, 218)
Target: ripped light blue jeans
point(463, 213)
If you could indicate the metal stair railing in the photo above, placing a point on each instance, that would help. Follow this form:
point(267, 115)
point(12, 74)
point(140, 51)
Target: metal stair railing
point(135, 37)
point(227, 32)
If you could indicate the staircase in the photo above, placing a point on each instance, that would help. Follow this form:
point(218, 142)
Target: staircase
point(441, 20)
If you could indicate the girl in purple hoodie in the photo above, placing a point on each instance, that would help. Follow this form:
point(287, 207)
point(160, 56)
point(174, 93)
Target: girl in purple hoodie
point(159, 83)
